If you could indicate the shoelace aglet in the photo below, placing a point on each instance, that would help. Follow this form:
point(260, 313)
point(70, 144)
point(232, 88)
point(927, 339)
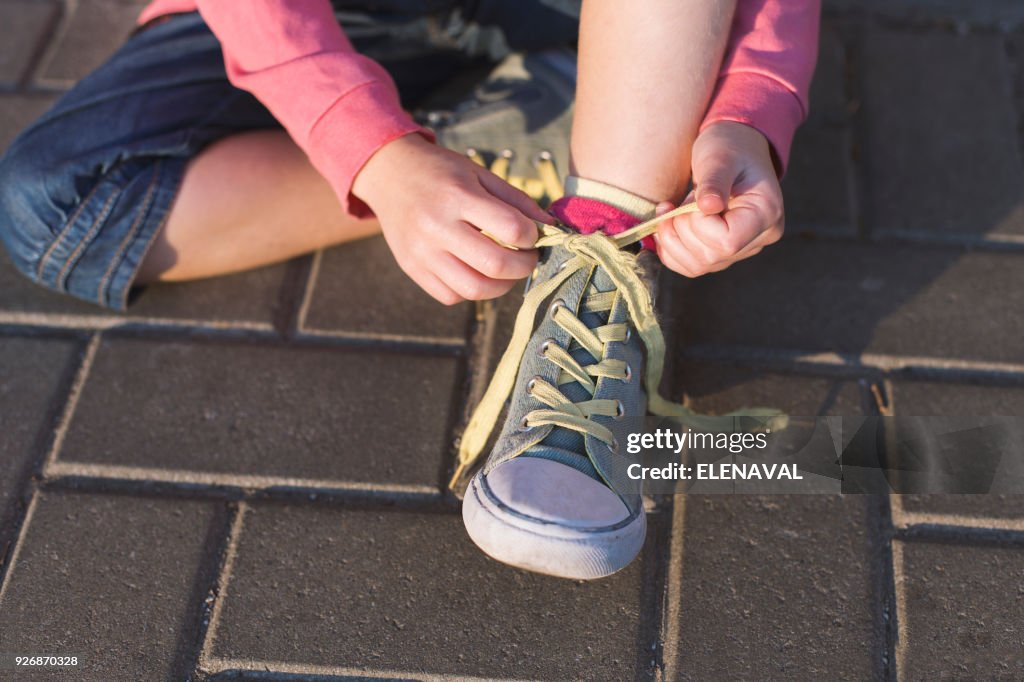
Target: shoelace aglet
point(456, 481)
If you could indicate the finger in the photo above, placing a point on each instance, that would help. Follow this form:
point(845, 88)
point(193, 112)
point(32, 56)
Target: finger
point(487, 257)
point(670, 262)
point(765, 238)
point(499, 220)
point(467, 282)
point(514, 197)
point(674, 254)
point(704, 254)
point(663, 208)
point(749, 218)
point(437, 289)
point(708, 231)
point(731, 232)
point(713, 176)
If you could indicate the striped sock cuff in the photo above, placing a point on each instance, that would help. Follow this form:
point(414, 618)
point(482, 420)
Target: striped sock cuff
point(636, 206)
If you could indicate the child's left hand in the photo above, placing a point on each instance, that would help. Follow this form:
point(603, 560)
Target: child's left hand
point(740, 201)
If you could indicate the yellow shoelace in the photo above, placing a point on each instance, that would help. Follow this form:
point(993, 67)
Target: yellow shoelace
point(589, 251)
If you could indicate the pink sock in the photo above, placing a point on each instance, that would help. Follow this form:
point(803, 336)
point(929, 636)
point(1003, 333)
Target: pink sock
point(587, 216)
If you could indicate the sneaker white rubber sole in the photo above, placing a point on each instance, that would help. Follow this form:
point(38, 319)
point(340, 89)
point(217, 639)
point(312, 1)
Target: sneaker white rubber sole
point(547, 517)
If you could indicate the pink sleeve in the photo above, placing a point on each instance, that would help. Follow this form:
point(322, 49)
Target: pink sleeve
point(766, 73)
point(339, 106)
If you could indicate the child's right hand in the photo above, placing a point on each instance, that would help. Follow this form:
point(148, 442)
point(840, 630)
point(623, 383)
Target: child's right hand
point(433, 204)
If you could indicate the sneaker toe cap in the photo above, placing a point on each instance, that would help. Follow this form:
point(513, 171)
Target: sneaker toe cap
point(553, 492)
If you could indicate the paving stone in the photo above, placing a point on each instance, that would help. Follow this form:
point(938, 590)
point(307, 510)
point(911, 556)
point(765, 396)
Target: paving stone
point(828, 101)
point(253, 296)
point(821, 296)
point(717, 388)
point(818, 184)
point(776, 587)
point(964, 611)
point(982, 403)
point(112, 579)
point(23, 24)
point(34, 376)
point(361, 289)
point(941, 158)
point(410, 593)
point(327, 413)
point(17, 112)
point(92, 33)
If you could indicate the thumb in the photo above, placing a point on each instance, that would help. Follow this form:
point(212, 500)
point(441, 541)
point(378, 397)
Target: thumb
point(713, 176)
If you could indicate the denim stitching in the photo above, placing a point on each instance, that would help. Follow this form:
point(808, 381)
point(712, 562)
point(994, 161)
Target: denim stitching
point(93, 229)
point(64, 232)
point(132, 232)
point(148, 247)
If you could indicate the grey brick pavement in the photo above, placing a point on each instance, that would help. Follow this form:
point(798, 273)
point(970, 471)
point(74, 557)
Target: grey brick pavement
point(243, 477)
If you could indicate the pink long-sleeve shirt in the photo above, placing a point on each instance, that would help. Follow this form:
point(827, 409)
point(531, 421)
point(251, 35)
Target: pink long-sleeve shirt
point(340, 107)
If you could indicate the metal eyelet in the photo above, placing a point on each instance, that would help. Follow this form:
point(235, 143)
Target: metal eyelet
point(629, 374)
point(523, 426)
point(555, 305)
point(620, 410)
point(507, 154)
point(542, 351)
point(614, 446)
point(629, 334)
point(530, 384)
point(561, 266)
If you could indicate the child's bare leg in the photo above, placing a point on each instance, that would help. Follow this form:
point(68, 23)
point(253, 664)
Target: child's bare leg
point(248, 200)
point(646, 73)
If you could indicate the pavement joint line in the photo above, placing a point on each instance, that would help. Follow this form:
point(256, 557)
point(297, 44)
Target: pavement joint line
point(441, 342)
point(57, 33)
point(669, 630)
point(59, 468)
point(46, 39)
point(303, 330)
point(910, 520)
point(902, 18)
point(307, 292)
point(7, 572)
point(105, 322)
point(879, 235)
point(990, 242)
point(906, 520)
point(854, 361)
point(219, 665)
point(14, 323)
point(74, 393)
point(884, 591)
point(901, 629)
point(223, 579)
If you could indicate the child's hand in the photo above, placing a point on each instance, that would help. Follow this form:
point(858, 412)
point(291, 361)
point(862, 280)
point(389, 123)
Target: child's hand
point(739, 197)
point(433, 204)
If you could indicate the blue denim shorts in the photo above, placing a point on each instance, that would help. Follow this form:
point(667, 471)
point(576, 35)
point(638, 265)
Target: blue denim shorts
point(85, 189)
